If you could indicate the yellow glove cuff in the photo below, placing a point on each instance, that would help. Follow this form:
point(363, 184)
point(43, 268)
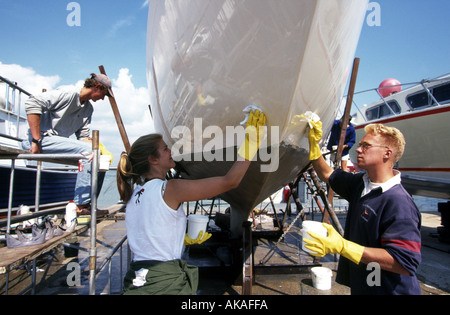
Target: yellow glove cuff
point(254, 133)
point(352, 251)
point(314, 152)
point(249, 148)
point(315, 134)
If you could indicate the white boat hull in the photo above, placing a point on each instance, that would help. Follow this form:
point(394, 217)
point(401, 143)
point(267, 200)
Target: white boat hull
point(207, 60)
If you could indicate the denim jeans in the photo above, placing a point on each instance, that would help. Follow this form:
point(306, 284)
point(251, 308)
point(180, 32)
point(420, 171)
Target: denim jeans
point(62, 145)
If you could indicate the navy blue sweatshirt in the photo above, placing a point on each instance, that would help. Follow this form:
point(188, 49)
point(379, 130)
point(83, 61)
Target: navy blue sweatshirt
point(388, 220)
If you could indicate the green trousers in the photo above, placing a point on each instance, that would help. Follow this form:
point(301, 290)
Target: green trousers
point(173, 277)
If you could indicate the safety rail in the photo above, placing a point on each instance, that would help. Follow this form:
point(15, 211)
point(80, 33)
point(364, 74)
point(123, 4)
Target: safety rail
point(10, 110)
point(108, 262)
point(54, 158)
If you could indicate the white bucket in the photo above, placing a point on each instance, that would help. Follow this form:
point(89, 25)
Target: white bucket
point(312, 226)
point(321, 278)
point(196, 224)
point(105, 161)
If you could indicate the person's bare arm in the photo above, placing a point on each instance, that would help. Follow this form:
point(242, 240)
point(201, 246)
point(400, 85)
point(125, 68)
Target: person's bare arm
point(179, 190)
point(322, 169)
point(34, 123)
point(384, 259)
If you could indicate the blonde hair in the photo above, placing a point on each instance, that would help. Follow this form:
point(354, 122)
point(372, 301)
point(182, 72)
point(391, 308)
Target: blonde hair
point(393, 137)
point(134, 165)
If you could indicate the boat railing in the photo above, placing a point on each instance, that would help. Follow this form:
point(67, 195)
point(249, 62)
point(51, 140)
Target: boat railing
point(425, 87)
point(11, 108)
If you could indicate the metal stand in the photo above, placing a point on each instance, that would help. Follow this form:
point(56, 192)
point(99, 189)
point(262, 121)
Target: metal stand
point(93, 235)
point(248, 267)
point(248, 255)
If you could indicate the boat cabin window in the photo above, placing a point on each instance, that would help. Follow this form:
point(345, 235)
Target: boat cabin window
point(423, 99)
point(442, 93)
point(382, 110)
point(419, 100)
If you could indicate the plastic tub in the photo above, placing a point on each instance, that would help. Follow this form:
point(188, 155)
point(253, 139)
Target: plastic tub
point(312, 226)
point(105, 161)
point(84, 220)
point(196, 224)
point(321, 278)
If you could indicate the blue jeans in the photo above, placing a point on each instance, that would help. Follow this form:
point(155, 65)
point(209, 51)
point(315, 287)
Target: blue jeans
point(62, 145)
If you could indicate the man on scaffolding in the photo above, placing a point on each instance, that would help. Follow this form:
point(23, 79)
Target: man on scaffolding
point(56, 115)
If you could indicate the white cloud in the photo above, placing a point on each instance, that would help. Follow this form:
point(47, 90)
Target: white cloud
point(120, 24)
point(132, 102)
point(27, 78)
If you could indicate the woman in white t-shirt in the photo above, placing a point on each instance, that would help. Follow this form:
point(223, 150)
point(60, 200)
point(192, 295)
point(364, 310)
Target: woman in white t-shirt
point(155, 219)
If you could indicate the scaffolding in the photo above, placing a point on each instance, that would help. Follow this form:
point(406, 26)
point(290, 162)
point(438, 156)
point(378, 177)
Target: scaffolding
point(12, 258)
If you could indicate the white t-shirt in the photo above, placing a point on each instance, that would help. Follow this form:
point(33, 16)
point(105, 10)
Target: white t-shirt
point(369, 186)
point(155, 231)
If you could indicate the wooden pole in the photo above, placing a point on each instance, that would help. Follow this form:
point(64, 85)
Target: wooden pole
point(115, 108)
point(348, 107)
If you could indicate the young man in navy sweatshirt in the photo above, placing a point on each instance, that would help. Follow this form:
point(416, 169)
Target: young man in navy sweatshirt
point(382, 228)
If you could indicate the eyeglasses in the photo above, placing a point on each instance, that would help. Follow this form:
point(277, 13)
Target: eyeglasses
point(366, 146)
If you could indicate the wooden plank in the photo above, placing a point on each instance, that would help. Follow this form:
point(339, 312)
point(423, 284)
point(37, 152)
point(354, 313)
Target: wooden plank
point(11, 258)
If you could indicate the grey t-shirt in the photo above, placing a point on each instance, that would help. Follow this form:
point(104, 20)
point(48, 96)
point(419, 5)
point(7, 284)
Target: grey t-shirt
point(61, 112)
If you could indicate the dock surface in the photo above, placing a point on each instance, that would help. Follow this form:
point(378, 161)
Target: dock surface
point(433, 273)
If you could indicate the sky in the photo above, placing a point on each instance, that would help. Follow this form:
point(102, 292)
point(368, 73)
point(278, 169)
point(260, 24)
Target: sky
point(49, 43)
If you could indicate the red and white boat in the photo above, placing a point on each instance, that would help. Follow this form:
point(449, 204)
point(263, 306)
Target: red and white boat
point(422, 113)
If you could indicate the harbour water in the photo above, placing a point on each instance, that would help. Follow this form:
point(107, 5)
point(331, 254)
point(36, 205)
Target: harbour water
point(109, 194)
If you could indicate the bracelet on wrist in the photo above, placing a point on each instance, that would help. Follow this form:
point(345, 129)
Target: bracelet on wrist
point(38, 142)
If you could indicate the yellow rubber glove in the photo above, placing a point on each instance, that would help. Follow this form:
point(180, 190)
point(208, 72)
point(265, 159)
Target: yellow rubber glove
point(315, 134)
point(254, 133)
point(201, 99)
point(334, 243)
point(103, 151)
point(200, 239)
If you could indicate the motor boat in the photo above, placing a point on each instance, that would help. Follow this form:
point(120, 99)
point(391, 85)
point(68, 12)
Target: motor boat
point(421, 111)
